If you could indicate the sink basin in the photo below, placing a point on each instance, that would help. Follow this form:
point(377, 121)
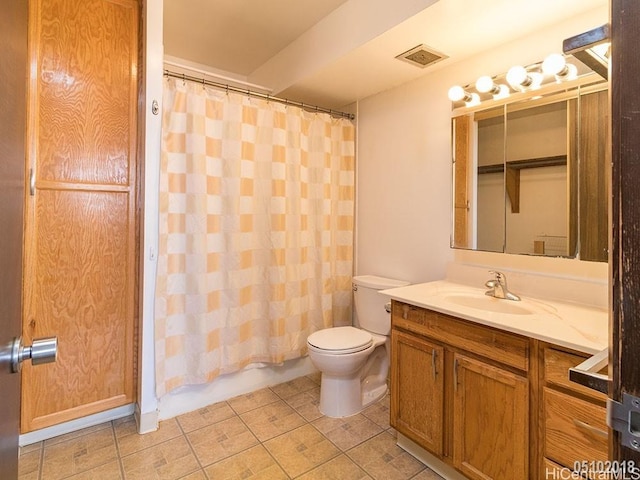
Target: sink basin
point(491, 304)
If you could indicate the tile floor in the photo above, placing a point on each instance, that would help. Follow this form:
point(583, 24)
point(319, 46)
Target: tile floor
point(273, 433)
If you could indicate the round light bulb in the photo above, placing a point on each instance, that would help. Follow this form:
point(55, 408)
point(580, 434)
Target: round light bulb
point(457, 93)
point(484, 84)
point(554, 64)
point(517, 76)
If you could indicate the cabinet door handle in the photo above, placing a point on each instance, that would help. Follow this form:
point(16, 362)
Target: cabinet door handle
point(585, 426)
point(455, 375)
point(434, 358)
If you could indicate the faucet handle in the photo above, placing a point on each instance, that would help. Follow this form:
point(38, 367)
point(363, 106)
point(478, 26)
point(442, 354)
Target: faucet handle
point(499, 276)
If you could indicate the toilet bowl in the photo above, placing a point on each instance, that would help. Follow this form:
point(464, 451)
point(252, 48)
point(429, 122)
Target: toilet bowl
point(354, 362)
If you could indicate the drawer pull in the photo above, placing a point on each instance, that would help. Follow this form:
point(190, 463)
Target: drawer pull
point(596, 431)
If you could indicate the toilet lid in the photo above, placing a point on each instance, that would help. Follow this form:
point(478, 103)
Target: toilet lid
point(341, 339)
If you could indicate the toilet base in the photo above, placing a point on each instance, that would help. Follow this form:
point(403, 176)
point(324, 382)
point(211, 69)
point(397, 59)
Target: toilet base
point(373, 396)
point(349, 392)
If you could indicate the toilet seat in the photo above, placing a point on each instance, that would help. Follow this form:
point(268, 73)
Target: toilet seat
point(340, 340)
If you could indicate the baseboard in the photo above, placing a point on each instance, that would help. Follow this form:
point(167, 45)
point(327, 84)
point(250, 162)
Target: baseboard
point(77, 424)
point(434, 463)
point(146, 422)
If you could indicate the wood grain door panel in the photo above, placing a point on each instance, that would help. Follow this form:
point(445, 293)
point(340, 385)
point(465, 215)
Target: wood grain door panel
point(417, 385)
point(490, 421)
point(83, 293)
point(86, 53)
point(81, 223)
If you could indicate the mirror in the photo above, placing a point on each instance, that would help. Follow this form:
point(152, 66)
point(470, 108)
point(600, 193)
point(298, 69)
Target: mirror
point(530, 175)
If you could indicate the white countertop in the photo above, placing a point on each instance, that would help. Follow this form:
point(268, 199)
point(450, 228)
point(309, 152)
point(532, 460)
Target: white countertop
point(569, 325)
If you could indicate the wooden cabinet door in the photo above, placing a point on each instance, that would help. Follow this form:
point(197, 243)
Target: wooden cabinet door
point(80, 238)
point(490, 421)
point(417, 383)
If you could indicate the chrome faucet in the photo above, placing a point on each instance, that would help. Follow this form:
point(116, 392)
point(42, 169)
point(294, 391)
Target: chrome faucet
point(498, 286)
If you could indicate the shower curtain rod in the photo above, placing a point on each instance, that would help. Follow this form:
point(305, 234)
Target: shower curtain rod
point(264, 96)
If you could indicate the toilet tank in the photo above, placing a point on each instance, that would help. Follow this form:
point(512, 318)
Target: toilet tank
point(369, 304)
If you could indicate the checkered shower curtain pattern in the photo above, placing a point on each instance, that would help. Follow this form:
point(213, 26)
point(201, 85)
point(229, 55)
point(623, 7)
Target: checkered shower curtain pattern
point(256, 232)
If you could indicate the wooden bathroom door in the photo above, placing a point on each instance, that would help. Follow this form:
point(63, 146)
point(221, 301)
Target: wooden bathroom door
point(81, 214)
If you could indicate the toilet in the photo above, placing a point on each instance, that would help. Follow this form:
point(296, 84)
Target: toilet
point(354, 361)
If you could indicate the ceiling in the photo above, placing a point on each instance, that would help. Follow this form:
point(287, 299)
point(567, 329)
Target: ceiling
point(334, 52)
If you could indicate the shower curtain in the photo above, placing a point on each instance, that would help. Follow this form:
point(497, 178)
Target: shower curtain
point(256, 232)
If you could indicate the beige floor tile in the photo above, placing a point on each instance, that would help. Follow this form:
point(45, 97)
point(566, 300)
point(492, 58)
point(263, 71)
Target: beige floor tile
point(77, 433)
point(130, 441)
point(251, 401)
point(30, 448)
point(381, 458)
point(79, 454)
point(205, 416)
point(315, 377)
point(306, 404)
point(225, 438)
point(339, 468)
point(293, 387)
point(301, 450)
point(427, 474)
point(378, 412)
point(347, 432)
point(254, 463)
point(108, 471)
point(221, 440)
point(29, 464)
point(199, 475)
point(170, 460)
point(272, 420)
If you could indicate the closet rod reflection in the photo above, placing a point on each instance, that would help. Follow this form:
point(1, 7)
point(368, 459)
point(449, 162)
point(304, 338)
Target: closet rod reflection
point(231, 88)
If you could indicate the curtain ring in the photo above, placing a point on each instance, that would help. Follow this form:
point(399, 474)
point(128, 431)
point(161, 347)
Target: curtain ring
point(183, 78)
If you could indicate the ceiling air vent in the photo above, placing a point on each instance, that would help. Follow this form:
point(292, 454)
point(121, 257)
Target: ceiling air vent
point(421, 56)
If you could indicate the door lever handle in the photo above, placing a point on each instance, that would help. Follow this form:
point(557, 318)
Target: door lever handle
point(42, 350)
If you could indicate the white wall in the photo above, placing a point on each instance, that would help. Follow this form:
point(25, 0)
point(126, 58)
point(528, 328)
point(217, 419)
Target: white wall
point(404, 165)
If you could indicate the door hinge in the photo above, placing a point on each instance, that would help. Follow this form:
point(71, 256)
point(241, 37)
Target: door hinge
point(625, 418)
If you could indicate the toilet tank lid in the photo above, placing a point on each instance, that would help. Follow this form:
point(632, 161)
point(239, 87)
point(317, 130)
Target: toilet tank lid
point(379, 283)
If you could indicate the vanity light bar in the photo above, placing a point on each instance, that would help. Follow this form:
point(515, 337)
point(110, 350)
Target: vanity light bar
point(518, 79)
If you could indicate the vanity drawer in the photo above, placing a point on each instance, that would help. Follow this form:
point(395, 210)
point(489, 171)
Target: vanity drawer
point(556, 371)
point(501, 346)
point(574, 430)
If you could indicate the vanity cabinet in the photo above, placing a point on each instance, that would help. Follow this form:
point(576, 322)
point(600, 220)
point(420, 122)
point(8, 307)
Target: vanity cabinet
point(572, 417)
point(461, 391)
point(419, 414)
point(490, 420)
